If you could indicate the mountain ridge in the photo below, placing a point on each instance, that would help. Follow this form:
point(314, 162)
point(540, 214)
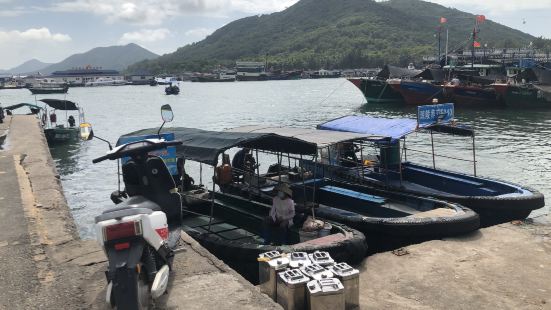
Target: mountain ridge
point(330, 33)
point(116, 57)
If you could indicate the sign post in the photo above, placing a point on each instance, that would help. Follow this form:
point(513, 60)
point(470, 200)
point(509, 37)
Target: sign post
point(428, 115)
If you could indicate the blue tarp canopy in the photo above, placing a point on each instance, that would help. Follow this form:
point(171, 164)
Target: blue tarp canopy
point(395, 128)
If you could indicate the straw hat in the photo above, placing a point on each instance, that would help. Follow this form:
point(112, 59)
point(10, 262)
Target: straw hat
point(284, 187)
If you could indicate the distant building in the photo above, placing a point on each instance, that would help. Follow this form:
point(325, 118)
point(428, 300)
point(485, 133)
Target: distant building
point(81, 76)
point(140, 78)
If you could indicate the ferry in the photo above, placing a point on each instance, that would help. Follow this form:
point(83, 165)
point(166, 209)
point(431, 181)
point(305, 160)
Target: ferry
point(251, 71)
point(106, 82)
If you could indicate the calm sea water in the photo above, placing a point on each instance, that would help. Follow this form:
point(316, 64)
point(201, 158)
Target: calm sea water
point(512, 145)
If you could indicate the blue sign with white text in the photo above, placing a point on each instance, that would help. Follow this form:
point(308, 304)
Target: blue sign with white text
point(434, 114)
point(168, 155)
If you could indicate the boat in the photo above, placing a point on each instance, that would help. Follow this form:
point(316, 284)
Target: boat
point(529, 88)
point(45, 87)
point(377, 90)
point(416, 92)
point(217, 76)
point(250, 71)
point(495, 201)
point(423, 88)
point(166, 80)
point(172, 90)
point(105, 81)
point(472, 95)
point(34, 109)
point(61, 132)
point(388, 219)
point(325, 74)
point(230, 226)
point(524, 95)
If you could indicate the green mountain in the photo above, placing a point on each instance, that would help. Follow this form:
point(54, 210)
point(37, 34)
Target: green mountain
point(111, 57)
point(335, 33)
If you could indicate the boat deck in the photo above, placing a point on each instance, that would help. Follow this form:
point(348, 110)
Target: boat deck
point(221, 229)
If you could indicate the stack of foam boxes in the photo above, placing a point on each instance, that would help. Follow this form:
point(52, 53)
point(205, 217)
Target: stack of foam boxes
point(308, 281)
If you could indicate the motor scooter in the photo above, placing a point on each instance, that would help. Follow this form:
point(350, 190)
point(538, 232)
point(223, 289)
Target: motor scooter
point(140, 234)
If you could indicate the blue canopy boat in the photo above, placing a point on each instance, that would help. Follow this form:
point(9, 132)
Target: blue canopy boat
point(389, 219)
point(494, 200)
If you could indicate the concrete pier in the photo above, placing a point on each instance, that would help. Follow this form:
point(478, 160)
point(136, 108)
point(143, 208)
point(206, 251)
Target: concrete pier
point(45, 265)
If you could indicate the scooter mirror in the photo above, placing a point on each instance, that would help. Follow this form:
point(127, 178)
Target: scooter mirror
point(166, 113)
point(86, 132)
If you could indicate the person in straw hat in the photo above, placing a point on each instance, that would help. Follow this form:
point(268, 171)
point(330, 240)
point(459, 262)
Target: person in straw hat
point(281, 215)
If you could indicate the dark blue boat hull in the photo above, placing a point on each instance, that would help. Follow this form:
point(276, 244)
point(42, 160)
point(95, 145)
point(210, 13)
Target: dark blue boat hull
point(495, 201)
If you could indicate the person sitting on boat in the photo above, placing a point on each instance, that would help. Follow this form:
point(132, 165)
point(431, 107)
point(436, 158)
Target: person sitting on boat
point(242, 162)
point(53, 119)
point(183, 179)
point(281, 216)
point(71, 121)
point(223, 173)
point(348, 156)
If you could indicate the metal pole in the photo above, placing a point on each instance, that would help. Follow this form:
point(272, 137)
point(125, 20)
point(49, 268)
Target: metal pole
point(405, 150)
point(257, 174)
point(303, 183)
point(447, 37)
point(474, 156)
point(432, 144)
point(362, 161)
point(439, 43)
point(212, 204)
point(200, 173)
point(314, 191)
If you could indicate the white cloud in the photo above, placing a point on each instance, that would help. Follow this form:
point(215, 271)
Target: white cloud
point(199, 33)
point(145, 36)
point(33, 34)
point(155, 12)
point(260, 6)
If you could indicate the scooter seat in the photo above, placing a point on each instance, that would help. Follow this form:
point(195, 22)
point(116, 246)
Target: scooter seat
point(133, 206)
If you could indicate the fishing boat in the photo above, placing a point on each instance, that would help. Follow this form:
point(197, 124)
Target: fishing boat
point(494, 200)
point(377, 90)
point(423, 88)
point(230, 226)
point(33, 108)
point(48, 88)
point(524, 95)
point(389, 219)
point(529, 88)
point(416, 92)
point(57, 132)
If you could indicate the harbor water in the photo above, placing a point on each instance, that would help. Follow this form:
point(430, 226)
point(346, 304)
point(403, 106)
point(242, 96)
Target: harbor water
point(513, 145)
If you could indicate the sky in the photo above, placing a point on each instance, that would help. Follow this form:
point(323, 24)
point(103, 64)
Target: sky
point(51, 30)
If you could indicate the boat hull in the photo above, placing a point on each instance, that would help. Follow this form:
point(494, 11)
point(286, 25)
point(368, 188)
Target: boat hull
point(377, 91)
point(472, 96)
point(44, 91)
point(251, 78)
point(344, 245)
point(61, 135)
point(417, 93)
point(524, 96)
point(495, 201)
